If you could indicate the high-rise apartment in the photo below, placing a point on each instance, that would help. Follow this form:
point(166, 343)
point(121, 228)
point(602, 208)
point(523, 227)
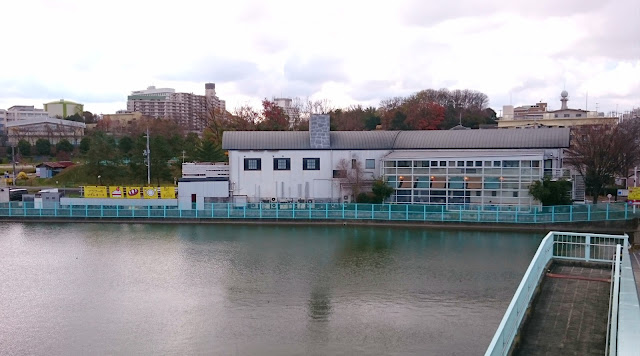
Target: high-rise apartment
point(187, 109)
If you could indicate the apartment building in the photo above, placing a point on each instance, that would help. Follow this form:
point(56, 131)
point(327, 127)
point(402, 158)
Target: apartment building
point(188, 109)
point(292, 112)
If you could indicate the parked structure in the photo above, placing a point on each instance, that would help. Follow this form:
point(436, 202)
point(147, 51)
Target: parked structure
point(187, 109)
point(48, 128)
point(538, 116)
point(433, 167)
point(63, 108)
point(50, 169)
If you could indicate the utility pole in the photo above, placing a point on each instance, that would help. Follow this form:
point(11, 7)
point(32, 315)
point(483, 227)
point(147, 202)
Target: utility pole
point(13, 159)
point(148, 155)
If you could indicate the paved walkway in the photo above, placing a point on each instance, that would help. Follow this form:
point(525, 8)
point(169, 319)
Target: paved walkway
point(569, 315)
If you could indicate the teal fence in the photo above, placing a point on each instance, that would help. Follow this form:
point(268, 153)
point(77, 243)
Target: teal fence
point(331, 211)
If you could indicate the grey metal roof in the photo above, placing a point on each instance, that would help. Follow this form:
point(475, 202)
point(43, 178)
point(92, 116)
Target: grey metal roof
point(388, 140)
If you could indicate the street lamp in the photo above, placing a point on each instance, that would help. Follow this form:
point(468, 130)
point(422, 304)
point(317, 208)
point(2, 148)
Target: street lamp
point(99, 180)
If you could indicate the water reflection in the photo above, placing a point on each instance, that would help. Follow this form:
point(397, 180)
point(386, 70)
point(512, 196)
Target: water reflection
point(190, 289)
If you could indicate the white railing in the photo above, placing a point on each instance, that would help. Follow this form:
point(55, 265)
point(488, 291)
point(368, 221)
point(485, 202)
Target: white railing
point(556, 245)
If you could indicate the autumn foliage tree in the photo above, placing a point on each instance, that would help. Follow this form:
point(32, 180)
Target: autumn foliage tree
point(273, 117)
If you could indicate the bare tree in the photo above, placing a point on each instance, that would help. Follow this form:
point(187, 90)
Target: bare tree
point(600, 152)
point(351, 174)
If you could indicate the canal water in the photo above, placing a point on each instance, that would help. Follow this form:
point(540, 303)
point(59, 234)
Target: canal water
point(70, 289)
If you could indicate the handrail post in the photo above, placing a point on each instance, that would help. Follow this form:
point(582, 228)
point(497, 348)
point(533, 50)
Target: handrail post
point(244, 211)
point(626, 211)
point(342, 211)
point(589, 212)
point(326, 210)
point(535, 215)
point(356, 211)
point(277, 210)
point(228, 211)
point(479, 214)
point(517, 210)
point(607, 218)
point(570, 212)
point(553, 213)
point(260, 208)
point(424, 212)
point(587, 247)
point(101, 211)
point(389, 208)
point(406, 212)
point(164, 212)
point(373, 212)
point(294, 210)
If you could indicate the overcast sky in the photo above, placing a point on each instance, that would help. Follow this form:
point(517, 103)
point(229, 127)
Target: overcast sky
point(347, 51)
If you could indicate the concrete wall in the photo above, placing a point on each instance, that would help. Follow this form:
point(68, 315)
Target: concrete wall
point(4, 194)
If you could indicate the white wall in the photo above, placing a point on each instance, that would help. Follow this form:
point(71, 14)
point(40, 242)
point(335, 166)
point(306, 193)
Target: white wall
point(295, 183)
point(202, 190)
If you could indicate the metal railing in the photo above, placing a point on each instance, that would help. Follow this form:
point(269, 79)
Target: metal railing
point(555, 245)
point(336, 211)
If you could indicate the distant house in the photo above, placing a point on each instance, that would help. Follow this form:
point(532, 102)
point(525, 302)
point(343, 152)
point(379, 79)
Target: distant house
point(50, 169)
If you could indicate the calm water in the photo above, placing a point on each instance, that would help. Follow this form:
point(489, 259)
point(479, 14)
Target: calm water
point(254, 290)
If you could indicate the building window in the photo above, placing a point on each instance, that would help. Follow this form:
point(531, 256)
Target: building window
point(339, 173)
point(252, 164)
point(311, 164)
point(578, 115)
point(370, 164)
point(567, 115)
point(354, 163)
point(282, 164)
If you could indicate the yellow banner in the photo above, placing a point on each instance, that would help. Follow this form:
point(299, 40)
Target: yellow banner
point(95, 192)
point(167, 192)
point(634, 194)
point(150, 192)
point(116, 192)
point(134, 193)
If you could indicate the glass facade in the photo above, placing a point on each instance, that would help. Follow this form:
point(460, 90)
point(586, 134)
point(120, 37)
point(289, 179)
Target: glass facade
point(462, 181)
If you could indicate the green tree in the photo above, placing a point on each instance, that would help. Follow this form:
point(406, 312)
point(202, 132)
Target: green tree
point(24, 147)
point(43, 147)
point(102, 156)
point(381, 191)
point(208, 151)
point(85, 145)
point(125, 145)
point(64, 146)
point(550, 192)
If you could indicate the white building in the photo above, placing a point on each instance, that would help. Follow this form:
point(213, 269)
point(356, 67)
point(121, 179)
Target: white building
point(492, 167)
point(188, 109)
point(203, 183)
point(24, 112)
point(538, 116)
point(289, 109)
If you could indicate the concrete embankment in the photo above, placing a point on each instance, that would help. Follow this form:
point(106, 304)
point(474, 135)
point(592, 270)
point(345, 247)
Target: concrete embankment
point(630, 227)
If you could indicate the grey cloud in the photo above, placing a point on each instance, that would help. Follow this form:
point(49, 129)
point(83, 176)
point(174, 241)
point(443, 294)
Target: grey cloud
point(529, 85)
point(316, 70)
point(218, 69)
point(613, 33)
